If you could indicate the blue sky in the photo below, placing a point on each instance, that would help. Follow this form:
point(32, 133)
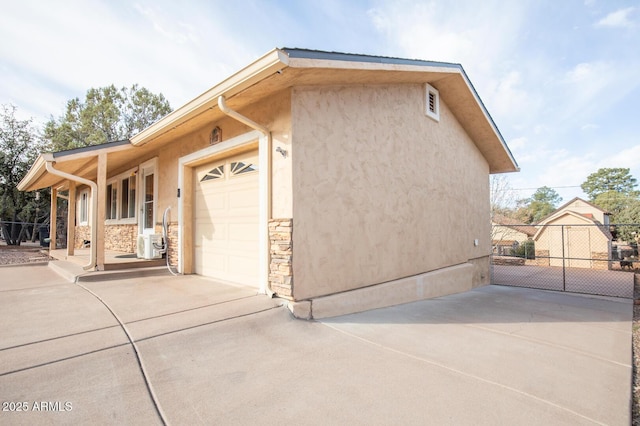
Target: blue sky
point(561, 79)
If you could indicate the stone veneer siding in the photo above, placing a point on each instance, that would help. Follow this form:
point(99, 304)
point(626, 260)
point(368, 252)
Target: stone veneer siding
point(82, 233)
point(600, 260)
point(122, 238)
point(172, 236)
point(281, 252)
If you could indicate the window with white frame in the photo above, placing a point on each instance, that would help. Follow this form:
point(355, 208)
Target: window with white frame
point(432, 106)
point(121, 197)
point(128, 197)
point(83, 207)
point(112, 201)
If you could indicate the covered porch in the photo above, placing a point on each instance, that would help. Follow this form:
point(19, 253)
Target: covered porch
point(86, 178)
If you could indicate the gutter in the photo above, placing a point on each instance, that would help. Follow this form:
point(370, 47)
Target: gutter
point(94, 210)
point(264, 190)
point(262, 68)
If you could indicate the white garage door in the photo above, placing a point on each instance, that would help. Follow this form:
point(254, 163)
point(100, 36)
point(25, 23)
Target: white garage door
point(226, 219)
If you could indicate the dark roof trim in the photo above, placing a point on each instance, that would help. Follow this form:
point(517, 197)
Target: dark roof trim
point(352, 57)
point(91, 148)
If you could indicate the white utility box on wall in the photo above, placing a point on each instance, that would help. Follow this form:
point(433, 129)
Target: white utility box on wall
point(146, 249)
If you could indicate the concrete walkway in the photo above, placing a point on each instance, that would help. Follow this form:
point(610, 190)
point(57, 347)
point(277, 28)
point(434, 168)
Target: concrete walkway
point(216, 354)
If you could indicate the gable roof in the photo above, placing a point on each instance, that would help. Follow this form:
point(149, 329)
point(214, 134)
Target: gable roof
point(563, 207)
point(282, 69)
point(581, 218)
point(79, 161)
point(288, 67)
point(573, 200)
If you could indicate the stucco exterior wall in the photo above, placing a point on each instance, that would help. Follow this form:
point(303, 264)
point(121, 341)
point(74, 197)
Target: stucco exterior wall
point(380, 190)
point(273, 113)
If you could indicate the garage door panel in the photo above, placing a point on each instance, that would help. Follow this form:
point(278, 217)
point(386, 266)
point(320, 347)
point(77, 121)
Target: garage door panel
point(206, 231)
point(243, 232)
point(238, 265)
point(226, 223)
point(243, 200)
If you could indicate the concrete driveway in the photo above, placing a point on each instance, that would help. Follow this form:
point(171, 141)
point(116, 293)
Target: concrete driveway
point(217, 354)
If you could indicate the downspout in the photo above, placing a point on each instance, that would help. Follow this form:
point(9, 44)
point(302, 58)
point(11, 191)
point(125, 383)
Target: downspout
point(94, 210)
point(241, 118)
point(264, 166)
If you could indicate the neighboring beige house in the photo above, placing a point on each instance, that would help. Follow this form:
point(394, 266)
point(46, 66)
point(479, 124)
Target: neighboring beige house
point(340, 182)
point(508, 234)
point(579, 232)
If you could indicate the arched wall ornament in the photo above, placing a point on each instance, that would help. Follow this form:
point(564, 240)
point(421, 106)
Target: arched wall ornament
point(216, 136)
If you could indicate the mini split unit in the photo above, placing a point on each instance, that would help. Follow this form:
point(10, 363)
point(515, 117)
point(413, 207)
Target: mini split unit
point(150, 246)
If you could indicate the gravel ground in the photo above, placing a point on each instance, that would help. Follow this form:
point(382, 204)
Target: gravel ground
point(28, 253)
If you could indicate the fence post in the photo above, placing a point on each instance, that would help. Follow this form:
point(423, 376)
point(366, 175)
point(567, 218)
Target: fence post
point(564, 273)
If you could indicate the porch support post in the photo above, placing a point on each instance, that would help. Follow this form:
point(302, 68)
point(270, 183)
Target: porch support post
point(264, 214)
point(71, 219)
point(185, 225)
point(102, 196)
point(53, 219)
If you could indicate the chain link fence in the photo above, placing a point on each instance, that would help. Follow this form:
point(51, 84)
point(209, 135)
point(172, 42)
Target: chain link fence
point(578, 258)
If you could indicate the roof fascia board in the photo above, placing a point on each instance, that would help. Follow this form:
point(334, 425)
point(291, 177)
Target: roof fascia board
point(359, 58)
point(489, 119)
point(262, 68)
point(38, 168)
point(373, 66)
point(36, 171)
point(89, 151)
point(93, 149)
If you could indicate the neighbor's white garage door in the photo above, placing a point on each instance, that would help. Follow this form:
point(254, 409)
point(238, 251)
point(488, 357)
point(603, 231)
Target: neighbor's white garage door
point(226, 219)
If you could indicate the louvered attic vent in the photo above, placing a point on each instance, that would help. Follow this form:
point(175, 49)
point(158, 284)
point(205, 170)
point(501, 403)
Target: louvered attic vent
point(432, 102)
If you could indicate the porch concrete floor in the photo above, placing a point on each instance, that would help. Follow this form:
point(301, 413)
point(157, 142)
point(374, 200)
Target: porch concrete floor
point(113, 259)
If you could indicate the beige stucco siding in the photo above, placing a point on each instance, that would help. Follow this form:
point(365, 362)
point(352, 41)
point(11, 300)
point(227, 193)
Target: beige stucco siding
point(273, 113)
point(380, 190)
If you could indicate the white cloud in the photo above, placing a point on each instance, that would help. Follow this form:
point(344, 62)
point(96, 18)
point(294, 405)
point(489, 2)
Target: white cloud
point(628, 158)
point(451, 32)
point(483, 39)
point(589, 127)
point(617, 19)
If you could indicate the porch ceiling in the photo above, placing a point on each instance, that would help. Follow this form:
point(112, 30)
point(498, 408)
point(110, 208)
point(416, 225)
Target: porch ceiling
point(83, 164)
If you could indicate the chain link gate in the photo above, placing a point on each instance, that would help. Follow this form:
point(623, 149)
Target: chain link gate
point(577, 258)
